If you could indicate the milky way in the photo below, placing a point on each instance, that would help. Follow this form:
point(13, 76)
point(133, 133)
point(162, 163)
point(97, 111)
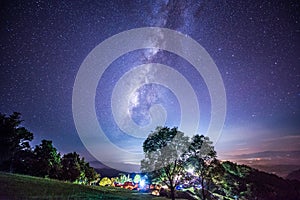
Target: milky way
point(254, 45)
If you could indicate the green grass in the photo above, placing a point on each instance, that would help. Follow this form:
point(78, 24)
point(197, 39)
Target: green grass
point(15, 186)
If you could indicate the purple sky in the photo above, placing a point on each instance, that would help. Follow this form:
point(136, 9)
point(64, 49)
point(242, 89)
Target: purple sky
point(253, 44)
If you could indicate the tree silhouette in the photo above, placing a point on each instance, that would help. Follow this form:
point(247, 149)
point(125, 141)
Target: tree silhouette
point(164, 149)
point(13, 139)
point(47, 160)
point(16, 155)
point(201, 157)
point(71, 167)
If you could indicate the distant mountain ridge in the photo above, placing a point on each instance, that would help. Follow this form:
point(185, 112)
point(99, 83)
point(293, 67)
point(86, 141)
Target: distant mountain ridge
point(97, 164)
point(106, 171)
point(263, 154)
point(280, 170)
point(280, 163)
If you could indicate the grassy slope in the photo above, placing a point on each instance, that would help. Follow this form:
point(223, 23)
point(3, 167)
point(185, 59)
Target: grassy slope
point(14, 186)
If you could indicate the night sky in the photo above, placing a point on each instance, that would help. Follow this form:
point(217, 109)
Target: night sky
point(255, 46)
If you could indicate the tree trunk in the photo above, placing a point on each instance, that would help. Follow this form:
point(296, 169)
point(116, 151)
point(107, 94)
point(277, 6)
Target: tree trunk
point(202, 189)
point(12, 162)
point(172, 193)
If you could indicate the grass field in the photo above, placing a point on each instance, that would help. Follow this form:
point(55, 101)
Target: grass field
point(13, 186)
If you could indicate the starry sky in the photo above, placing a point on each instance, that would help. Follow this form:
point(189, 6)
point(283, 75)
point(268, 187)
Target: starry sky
point(255, 46)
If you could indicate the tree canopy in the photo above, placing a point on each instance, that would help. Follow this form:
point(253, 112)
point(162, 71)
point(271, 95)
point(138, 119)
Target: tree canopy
point(201, 158)
point(75, 168)
point(44, 160)
point(14, 138)
point(164, 161)
point(170, 156)
point(47, 160)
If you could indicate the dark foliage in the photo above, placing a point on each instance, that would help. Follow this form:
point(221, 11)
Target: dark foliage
point(44, 160)
point(71, 167)
point(47, 161)
point(248, 183)
point(13, 140)
point(272, 187)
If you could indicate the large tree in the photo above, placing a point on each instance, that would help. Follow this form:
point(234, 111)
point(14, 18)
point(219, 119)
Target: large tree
point(47, 160)
point(71, 167)
point(201, 157)
point(76, 169)
point(164, 149)
point(13, 139)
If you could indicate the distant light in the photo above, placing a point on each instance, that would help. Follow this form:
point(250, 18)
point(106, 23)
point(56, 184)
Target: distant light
point(142, 183)
point(179, 187)
point(190, 170)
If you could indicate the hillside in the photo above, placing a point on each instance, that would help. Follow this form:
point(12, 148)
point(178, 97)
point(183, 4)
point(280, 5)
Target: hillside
point(249, 183)
point(240, 180)
point(294, 175)
point(270, 186)
point(27, 187)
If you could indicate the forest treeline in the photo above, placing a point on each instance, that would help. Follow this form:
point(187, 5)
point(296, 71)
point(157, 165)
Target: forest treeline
point(43, 160)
